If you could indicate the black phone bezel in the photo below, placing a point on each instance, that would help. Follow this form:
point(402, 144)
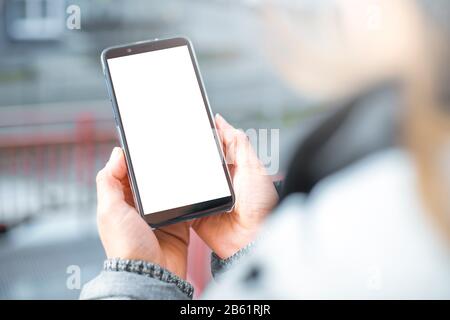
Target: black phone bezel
point(161, 218)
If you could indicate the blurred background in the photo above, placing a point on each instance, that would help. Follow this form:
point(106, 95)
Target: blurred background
point(56, 126)
point(339, 79)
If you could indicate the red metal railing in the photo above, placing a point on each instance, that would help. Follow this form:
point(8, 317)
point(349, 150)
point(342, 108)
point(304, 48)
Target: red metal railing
point(46, 168)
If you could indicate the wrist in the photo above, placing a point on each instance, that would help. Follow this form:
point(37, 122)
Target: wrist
point(235, 243)
point(220, 266)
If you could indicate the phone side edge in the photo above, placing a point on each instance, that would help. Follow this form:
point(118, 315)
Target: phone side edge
point(119, 129)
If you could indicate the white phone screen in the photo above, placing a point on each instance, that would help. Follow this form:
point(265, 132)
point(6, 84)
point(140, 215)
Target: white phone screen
point(172, 148)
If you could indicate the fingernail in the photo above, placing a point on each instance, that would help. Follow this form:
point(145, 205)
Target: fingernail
point(114, 154)
point(220, 118)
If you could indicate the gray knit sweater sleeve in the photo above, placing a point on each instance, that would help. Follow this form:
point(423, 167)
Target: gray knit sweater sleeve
point(220, 266)
point(136, 279)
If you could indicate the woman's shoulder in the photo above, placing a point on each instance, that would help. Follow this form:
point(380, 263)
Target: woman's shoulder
point(362, 233)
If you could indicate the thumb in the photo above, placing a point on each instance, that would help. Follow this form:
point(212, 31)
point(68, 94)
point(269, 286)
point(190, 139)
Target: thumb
point(109, 186)
point(116, 164)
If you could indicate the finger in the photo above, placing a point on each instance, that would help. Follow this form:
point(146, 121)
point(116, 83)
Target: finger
point(243, 149)
point(237, 147)
point(227, 134)
point(222, 123)
point(226, 131)
point(109, 186)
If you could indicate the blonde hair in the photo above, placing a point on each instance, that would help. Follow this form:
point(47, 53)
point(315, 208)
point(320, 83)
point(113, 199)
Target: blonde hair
point(426, 130)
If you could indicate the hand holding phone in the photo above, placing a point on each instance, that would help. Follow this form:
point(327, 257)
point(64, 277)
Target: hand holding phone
point(176, 167)
point(256, 196)
point(124, 234)
point(175, 163)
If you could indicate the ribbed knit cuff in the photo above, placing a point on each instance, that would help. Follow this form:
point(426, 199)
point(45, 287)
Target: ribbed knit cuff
point(219, 266)
point(150, 270)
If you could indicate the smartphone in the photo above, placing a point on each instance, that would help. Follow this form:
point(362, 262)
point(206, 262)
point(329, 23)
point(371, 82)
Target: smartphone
point(175, 162)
